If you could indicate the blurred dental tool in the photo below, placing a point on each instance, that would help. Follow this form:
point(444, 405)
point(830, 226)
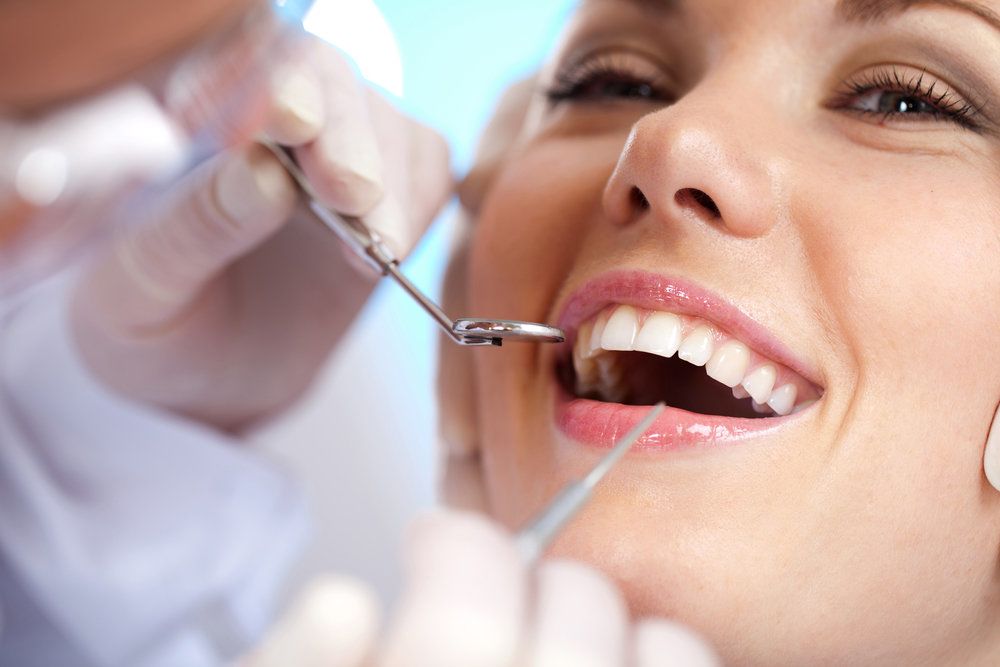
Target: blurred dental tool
point(536, 536)
point(368, 245)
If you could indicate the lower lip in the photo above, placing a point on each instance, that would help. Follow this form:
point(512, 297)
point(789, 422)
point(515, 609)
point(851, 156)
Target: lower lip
point(601, 425)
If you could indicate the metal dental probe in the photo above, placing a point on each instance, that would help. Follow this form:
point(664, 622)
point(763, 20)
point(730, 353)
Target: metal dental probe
point(535, 537)
point(368, 245)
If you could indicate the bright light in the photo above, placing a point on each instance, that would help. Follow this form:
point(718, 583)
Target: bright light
point(359, 29)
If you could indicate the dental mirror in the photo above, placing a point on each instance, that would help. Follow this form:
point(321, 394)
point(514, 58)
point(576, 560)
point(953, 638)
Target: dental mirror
point(368, 245)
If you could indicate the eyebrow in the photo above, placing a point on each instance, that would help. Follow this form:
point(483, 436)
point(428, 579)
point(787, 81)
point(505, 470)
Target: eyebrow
point(877, 10)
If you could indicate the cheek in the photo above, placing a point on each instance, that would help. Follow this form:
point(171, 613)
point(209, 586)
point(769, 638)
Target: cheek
point(910, 263)
point(526, 240)
point(534, 221)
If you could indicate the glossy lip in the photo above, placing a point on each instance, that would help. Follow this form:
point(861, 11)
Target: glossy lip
point(600, 424)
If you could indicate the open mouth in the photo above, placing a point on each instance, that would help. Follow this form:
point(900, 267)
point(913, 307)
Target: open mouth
point(638, 338)
point(634, 356)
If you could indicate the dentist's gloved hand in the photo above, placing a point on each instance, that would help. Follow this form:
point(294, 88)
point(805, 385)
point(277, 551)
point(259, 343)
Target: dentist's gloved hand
point(469, 601)
point(228, 286)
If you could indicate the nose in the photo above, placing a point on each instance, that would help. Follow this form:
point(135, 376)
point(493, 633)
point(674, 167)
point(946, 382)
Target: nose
point(695, 162)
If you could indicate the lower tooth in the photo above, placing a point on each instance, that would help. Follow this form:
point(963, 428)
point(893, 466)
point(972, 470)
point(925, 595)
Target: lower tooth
point(740, 393)
point(783, 399)
point(585, 388)
point(761, 408)
point(585, 381)
point(610, 379)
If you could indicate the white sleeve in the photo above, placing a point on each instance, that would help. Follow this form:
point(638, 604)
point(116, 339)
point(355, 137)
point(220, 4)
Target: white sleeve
point(127, 535)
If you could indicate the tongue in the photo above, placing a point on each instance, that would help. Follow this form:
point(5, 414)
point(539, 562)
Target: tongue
point(651, 378)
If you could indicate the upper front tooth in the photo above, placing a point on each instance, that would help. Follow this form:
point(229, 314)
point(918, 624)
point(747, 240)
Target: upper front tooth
point(660, 334)
point(697, 347)
point(760, 383)
point(729, 363)
point(619, 334)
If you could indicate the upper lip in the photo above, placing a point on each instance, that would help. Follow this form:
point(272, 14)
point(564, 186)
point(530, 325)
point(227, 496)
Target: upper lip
point(651, 291)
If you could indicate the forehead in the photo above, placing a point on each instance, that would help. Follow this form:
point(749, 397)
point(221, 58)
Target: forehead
point(849, 10)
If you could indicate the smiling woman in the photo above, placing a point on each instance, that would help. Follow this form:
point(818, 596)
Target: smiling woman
point(781, 218)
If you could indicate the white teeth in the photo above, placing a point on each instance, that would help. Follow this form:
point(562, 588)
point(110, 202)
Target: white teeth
point(729, 363)
point(660, 335)
point(783, 399)
point(697, 347)
point(583, 347)
point(618, 329)
point(597, 333)
point(760, 383)
point(619, 333)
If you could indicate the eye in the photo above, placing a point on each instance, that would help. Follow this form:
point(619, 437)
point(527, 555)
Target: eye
point(895, 94)
point(610, 76)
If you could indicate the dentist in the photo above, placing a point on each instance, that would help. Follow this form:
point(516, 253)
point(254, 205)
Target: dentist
point(153, 268)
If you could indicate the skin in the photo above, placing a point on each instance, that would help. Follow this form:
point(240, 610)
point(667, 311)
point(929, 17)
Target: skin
point(866, 532)
point(68, 49)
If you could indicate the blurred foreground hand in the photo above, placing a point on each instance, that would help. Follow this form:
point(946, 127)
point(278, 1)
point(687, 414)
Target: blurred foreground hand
point(470, 601)
point(225, 301)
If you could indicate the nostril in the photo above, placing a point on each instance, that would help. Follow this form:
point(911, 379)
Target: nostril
point(698, 198)
point(639, 201)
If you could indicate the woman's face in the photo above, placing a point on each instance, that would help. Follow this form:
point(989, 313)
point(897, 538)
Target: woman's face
point(813, 190)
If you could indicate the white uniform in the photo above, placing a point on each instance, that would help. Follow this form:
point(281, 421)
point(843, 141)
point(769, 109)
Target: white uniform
point(127, 536)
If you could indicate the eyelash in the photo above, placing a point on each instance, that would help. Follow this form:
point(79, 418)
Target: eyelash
point(945, 104)
point(616, 69)
point(575, 82)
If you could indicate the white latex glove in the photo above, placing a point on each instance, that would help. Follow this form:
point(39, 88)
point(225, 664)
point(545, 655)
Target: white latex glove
point(226, 287)
point(469, 601)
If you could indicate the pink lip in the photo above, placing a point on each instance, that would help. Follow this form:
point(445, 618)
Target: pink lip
point(601, 424)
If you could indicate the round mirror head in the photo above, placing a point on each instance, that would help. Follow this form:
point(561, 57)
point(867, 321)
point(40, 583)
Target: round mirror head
point(494, 331)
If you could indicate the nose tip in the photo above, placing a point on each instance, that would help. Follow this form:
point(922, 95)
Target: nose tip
point(675, 169)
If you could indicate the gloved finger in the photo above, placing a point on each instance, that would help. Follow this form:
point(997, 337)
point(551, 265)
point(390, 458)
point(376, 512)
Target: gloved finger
point(343, 164)
point(416, 174)
point(662, 643)
point(297, 109)
point(223, 210)
point(580, 620)
point(464, 599)
point(334, 623)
